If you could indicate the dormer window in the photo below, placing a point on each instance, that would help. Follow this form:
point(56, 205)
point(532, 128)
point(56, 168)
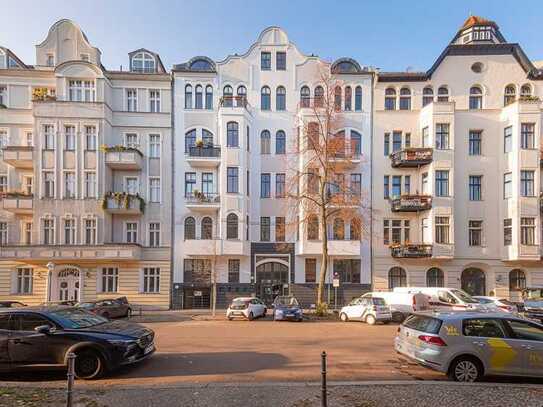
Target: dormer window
point(3, 59)
point(50, 60)
point(482, 33)
point(143, 62)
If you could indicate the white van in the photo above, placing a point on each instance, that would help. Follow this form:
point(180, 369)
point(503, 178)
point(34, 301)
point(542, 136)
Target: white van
point(445, 299)
point(401, 303)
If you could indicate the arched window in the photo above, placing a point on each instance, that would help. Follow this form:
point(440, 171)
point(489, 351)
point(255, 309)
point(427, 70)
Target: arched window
point(188, 97)
point(313, 135)
point(190, 140)
point(319, 96)
point(227, 96)
point(232, 226)
point(443, 94)
point(337, 98)
point(265, 98)
point(313, 228)
point(190, 228)
point(356, 232)
point(305, 96)
point(435, 278)
point(358, 98)
point(356, 143)
point(241, 100)
point(475, 97)
point(209, 97)
point(232, 134)
point(207, 138)
point(348, 98)
point(509, 95)
point(339, 229)
point(143, 62)
point(390, 99)
point(405, 99)
point(242, 90)
point(397, 277)
point(265, 142)
point(427, 95)
point(207, 228)
point(280, 142)
point(517, 280)
point(525, 91)
point(199, 97)
point(280, 99)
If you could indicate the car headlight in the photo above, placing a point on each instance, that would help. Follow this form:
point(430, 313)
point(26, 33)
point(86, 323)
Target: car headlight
point(279, 311)
point(122, 342)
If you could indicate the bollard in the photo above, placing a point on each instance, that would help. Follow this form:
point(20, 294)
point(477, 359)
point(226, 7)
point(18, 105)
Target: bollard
point(71, 376)
point(324, 396)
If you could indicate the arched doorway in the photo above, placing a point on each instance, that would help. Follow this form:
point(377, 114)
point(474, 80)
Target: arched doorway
point(68, 280)
point(271, 278)
point(473, 281)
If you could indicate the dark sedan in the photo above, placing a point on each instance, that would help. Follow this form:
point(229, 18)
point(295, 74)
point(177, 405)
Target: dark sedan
point(11, 304)
point(109, 308)
point(286, 307)
point(33, 337)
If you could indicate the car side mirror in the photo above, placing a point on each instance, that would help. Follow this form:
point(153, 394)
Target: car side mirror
point(43, 329)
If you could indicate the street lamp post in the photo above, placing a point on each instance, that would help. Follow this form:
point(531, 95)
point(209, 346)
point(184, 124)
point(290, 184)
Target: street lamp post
point(50, 268)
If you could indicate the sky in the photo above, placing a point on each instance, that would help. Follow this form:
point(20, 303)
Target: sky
point(388, 34)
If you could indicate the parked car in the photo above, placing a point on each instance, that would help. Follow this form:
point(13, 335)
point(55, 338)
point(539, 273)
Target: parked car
point(367, 309)
point(286, 307)
point(33, 337)
point(500, 304)
point(11, 304)
point(469, 345)
point(446, 299)
point(532, 305)
point(402, 304)
point(67, 303)
point(246, 307)
point(109, 308)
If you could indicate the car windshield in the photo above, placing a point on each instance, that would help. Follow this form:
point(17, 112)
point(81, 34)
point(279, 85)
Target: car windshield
point(239, 301)
point(73, 318)
point(464, 296)
point(289, 301)
point(86, 305)
point(378, 301)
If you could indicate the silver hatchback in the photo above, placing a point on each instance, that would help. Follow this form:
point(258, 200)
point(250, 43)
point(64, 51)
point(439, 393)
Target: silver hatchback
point(469, 345)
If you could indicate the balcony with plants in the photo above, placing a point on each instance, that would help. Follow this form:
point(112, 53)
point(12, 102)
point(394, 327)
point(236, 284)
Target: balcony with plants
point(123, 203)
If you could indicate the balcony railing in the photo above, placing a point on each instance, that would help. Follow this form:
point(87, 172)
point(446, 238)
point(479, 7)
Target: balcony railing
point(408, 250)
point(205, 151)
point(235, 101)
point(18, 156)
point(411, 157)
point(17, 202)
point(411, 203)
point(123, 203)
point(203, 198)
point(123, 158)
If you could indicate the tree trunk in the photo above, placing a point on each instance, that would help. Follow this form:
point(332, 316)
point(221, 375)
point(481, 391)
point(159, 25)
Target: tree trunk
point(324, 259)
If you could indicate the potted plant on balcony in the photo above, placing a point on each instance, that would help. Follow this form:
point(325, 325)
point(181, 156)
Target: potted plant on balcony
point(199, 143)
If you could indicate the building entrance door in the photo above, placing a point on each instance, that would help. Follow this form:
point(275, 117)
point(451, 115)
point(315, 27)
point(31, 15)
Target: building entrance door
point(68, 285)
point(473, 281)
point(271, 281)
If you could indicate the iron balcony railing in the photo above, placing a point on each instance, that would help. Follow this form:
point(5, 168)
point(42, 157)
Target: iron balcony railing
point(411, 203)
point(234, 101)
point(411, 157)
point(205, 151)
point(408, 250)
point(202, 198)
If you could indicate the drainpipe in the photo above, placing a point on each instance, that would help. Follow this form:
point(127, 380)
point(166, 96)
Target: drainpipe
point(372, 133)
point(172, 200)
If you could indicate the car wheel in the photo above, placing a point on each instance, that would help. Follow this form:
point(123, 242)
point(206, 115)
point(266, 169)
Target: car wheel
point(230, 318)
point(465, 369)
point(89, 365)
point(265, 312)
point(370, 320)
point(251, 316)
point(343, 317)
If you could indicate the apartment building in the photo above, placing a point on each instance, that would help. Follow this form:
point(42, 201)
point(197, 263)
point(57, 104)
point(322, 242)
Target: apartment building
point(236, 123)
point(85, 174)
point(456, 169)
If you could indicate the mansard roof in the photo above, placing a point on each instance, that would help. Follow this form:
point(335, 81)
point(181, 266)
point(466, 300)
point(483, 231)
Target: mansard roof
point(348, 66)
point(196, 64)
point(160, 65)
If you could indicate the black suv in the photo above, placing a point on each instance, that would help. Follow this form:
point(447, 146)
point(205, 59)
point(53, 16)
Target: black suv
point(44, 336)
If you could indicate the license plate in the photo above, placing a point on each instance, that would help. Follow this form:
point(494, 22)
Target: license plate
point(148, 349)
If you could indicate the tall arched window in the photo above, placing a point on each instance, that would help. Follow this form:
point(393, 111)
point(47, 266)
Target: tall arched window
point(190, 140)
point(207, 228)
point(265, 98)
point(356, 232)
point(427, 95)
point(517, 280)
point(475, 97)
point(339, 229)
point(509, 95)
point(348, 98)
point(190, 228)
point(227, 96)
point(397, 277)
point(265, 142)
point(280, 142)
point(443, 94)
point(305, 96)
point(337, 98)
point(209, 97)
point(356, 143)
point(358, 98)
point(319, 96)
point(435, 278)
point(280, 99)
point(390, 99)
point(207, 138)
point(232, 134)
point(143, 62)
point(525, 91)
point(405, 99)
point(313, 228)
point(232, 226)
point(199, 97)
point(241, 100)
point(188, 97)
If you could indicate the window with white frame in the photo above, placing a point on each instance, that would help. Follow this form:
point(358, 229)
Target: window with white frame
point(27, 233)
point(90, 184)
point(442, 229)
point(154, 100)
point(143, 62)
point(527, 178)
point(50, 60)
point(131, 100)
point(475, 231)
point(154, 189)
point(396, 231)
point(90, 231)
point(48, 137)
point(69, 185)
point(48, 184)
point(90, 138)
point(23, 280)
point(3, 95)
point(3, 140)
point(131, 140)
point(154, 145)
point(154, 234)
point(29, 139)
point(527, 135)
point(3, 183)
point(131, 185)
point(48, 231)
point(3, 233)
point(69, 138)
point(527, 231)
point(151, 280)
point(109, 279)
point(81, 91)
point(507, 185)
point(131, 232)
point(69, 231)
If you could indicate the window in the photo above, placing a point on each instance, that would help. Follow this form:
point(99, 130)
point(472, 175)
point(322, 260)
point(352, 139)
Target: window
point(48, 137)
point(310, 270)
point(188, 96)
point(527, 231)
point(154, 189)
point(209, 97)
point(27, 233)
point(507, 185)
point(475, 142)
point(206, 228)
point(280, 185)
point(396, 141)
point(23, 280)
point(348, 98)
point(69, 185)
point(356, 184)
point(131, 140)
point(525, 91)
point(154, 101)
point(425, 137)
point(507, 139)
point(265, 61)
point(358, 98)
point(405, 99)
point(527, 183)
point(110, 279)
point(265, 185)
point(190, 183)
point(90, 231)
point(313, 135)
point(475, 98)
point(69, 138)
point(232, 226)
point(396, 186)
point(3, 95)
point(442, 183)
point(154, 145)
point(247, 225)
point(3, 183)
point(3, 233)
point(279, 229)
point(143, 62)
point(319, 96)
point(435, 278)
point(390, 99)
point(348, 270)
point(90, 184)
point(29, 138)
point(397, 277)
point(131, 232)
point(190, 228)
point(198, 97)
point(507, 232)
point(242, 93)
point(442, 229)
point(527, 135)
point(190, 140)
point(443, 94)
point(154, 234)
point(312, 228)
point(427, 95)
point(265, 98)
point(48, 184)
point(264, 229)
point(442, 136)
point(90, 138)
point(265, 142)
point(475, 187)
point(280, 142)
point(509, 95)
point(281, 61)
point(386, 145)
point(131, 185)
point(305, 97)
point(81, 91)
point(151, 280)
point(233, 270)
point(280, 99)
point(483, 328)
point(228, 96)
point(338, 229)
point(386, 186)
point(355, 230)
point(232, 134)
point(207, 138)
point(337, 98)
point(527, 331)
point(207, 184)
point(517, 280)
point(232, 183)
point(475, 228)
point(50, 60)
point(48, 231)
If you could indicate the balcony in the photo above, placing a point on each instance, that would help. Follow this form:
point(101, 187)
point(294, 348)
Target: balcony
point(204, 156)
point(19, 156)
point(411, 157)
point(335, 247)
point(203, 201)
point(345, 158)
point(411, 251)
point(411, 203)
point(235, 102)
point(123, 203)
point(123, 158)
point(18, 203)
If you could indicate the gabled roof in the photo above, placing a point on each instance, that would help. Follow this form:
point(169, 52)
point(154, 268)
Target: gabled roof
point(12, 55)
point(160, 66)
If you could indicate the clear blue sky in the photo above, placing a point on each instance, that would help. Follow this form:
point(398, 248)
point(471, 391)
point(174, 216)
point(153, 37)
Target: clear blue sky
point(388, 34)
